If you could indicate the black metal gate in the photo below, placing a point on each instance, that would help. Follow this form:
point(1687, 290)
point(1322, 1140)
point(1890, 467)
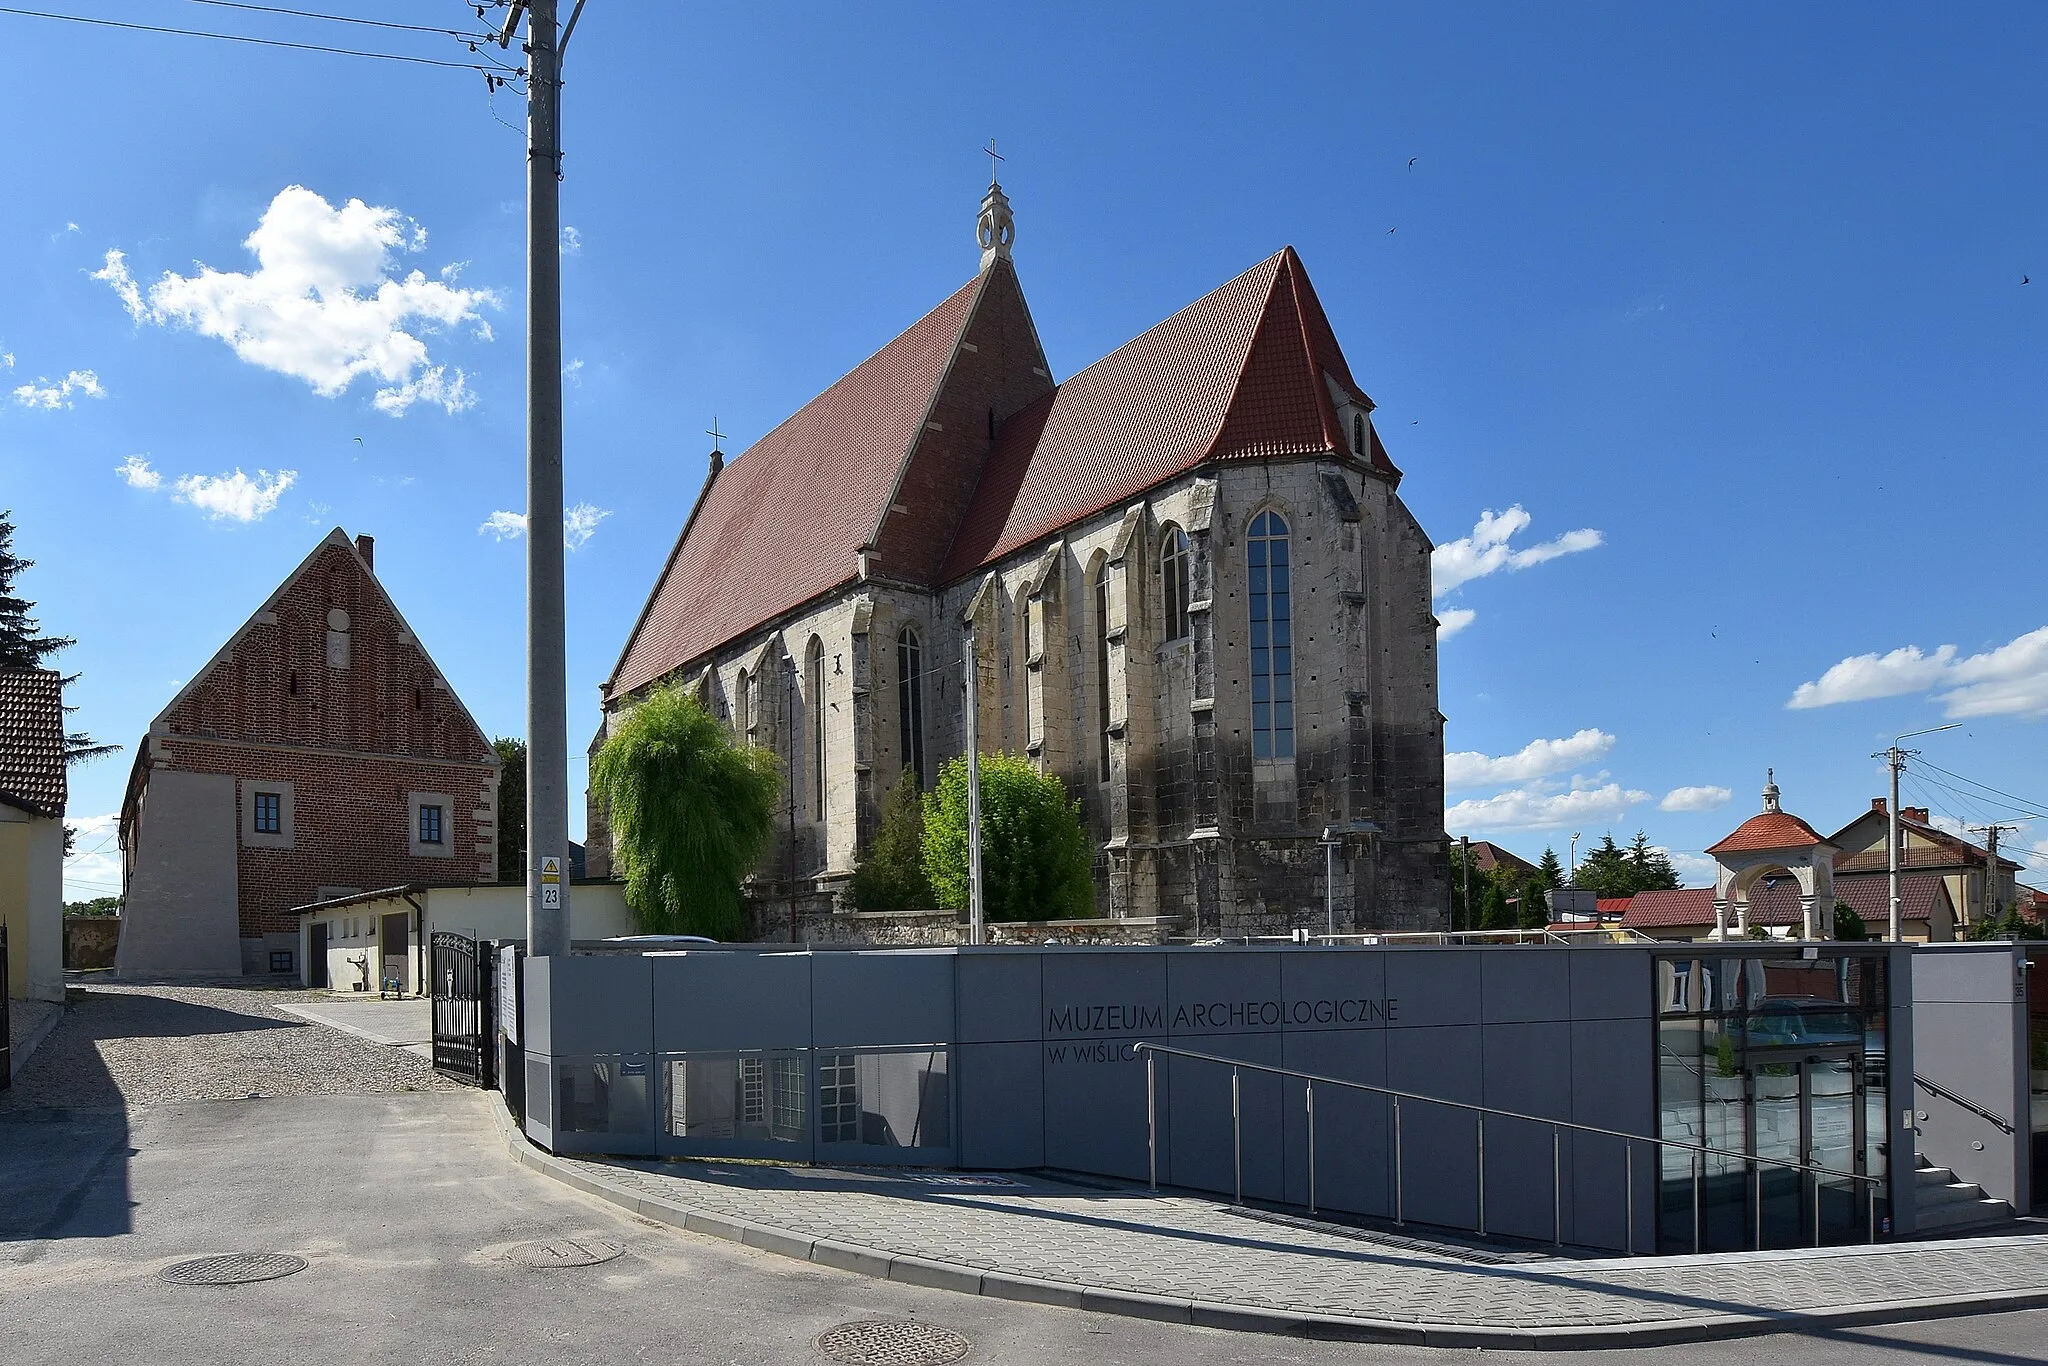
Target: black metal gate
point(462, 1009)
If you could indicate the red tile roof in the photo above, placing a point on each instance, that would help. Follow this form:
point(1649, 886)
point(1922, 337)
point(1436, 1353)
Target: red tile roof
point(32, 741)
point(1666, 910)
point(1612, 906)
point(1486, 856)
point(1236, 375)
point(781, 523)
point(1768, 830)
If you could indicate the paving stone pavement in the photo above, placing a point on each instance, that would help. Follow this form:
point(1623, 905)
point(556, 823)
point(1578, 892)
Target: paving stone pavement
point(1188, 1249)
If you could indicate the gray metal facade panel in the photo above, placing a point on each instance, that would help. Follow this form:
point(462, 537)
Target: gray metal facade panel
point(601, 1004)
point(881, 998)
point(722, 1001)
point(1210, 994)
point(1131, 980)
point(1526, 983)
point(1001, 1124)
point(1434, 986)
point(1972, 974)
point(1610, 983)
point(999, 995)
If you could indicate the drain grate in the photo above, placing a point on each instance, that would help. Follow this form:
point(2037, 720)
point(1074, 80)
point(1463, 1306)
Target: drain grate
point(234, 1268)
point(893, 1342)
point(556, 1252)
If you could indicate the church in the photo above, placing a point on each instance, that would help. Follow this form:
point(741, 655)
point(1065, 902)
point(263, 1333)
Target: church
point(1184, 579)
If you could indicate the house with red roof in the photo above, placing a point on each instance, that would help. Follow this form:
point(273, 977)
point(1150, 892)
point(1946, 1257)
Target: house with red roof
point(1925, 847)
point(1183, 576)
point(33, 790)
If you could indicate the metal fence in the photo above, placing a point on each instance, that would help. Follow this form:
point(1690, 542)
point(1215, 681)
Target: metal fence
point(463, 1047)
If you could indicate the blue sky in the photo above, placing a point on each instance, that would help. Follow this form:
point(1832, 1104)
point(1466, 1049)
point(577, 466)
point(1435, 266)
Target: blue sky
point(1731, 303)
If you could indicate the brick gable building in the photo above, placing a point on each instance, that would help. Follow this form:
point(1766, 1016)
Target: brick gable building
point(1190, 588)
point(320, 752)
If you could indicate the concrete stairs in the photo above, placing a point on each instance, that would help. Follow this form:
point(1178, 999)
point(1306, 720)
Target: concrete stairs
point(1943, 1203)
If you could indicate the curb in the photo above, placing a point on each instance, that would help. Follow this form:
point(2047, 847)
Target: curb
point(26, 1049)
point(909, 1270)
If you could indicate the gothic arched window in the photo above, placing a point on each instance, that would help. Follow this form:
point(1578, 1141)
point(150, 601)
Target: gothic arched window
point(1266, 564)
point(1173, 583)
point(814, 689)
point(910, 700)
point(1358, 433)
point(1102, 668)
point(742, 707)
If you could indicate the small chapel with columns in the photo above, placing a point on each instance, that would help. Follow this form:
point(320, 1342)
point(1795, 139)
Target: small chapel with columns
point(1191, 588)
point(1774, 843)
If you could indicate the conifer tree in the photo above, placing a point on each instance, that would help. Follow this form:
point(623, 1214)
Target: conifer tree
point(22, 646)
point(891, 876)
point(1551, 869)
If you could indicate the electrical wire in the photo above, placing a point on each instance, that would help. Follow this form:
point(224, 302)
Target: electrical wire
point(1986, 787)
point(348, 19)
point(261, 42)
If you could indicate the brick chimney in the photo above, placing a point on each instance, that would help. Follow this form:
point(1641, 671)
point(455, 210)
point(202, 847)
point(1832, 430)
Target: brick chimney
point(366, 546)
point(1914, 813)
point(1880, 805)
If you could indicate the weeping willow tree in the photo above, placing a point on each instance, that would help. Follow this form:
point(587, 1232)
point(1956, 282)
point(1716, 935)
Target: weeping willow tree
point(691, 814)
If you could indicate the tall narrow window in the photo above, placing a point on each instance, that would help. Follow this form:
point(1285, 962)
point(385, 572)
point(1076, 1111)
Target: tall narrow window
point(1102, 669)
point(1173, 583)
point(743, 708)
point(1272, 638)
point(1358, 433)
point(910, 700)
point(814, 686)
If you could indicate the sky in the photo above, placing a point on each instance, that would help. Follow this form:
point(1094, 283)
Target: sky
point(1706, 341)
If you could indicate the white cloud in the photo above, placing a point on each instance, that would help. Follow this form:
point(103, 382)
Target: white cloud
point(572, 241)
point(1526, 809)
point(6, 360)
point(2010, 680)
point(573, 372)
point(1452, 620)
point(325, 303)
point(235, 496)
point(504, 525)
point(1469, 769)
point(49, 394)
point(1486, 551)
point(135, 469)
point(1705, 798)
point(432, 386)
point(1860, 678)
point(1694, 870)
point(579, 524)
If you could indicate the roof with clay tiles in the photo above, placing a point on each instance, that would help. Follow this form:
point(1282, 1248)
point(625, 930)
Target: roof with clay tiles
point(1768, 830)
point(1240, 374)
point(32, 775)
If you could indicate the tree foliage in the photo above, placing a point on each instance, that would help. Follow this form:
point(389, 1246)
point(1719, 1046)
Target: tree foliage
point(891, 876)
point(22, 644)
point(1612, 871)
point(691, 814)
point(99, 905)
point(1849, 926)
point(511, 808)
point(1551, 869)
point(1037, 862)
point(1535, 906)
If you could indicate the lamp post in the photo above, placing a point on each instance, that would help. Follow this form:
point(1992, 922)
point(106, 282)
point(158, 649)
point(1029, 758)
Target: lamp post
point(1333, 835)
point(1896, 759)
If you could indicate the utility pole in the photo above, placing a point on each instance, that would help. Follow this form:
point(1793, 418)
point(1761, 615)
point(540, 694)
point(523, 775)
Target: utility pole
point(1896, 759)
point(977, 921)
point(789, 770)
point(547, 710)
point(1991, 834)
point(1465, 862)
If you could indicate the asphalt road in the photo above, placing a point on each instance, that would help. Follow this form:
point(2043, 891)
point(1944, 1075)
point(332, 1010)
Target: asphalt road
point(405, 1205)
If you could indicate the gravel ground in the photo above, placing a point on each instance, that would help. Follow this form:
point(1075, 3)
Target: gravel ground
point(123, 1047)
point(25, 1017)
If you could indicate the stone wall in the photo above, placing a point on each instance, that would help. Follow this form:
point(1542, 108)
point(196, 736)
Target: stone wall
point(90, 942)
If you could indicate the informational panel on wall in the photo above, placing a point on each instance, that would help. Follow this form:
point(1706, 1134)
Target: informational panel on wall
point(508, 990)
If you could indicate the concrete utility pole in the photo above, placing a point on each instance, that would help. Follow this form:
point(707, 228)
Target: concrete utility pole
point(1991, 834)
point(547, 710)
point(976, 913)
point(1896, 758)
point(1465, 845)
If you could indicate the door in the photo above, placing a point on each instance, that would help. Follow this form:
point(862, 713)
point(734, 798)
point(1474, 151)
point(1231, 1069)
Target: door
point(1807, 1108)
point(395, 944)
point(316, 954)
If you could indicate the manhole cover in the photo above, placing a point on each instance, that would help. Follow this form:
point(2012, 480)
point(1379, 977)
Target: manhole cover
point(893, 1342)
point(235, 1268)
point(563, 1252)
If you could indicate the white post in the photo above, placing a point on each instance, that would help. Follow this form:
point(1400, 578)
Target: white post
point(1330, 880)
point(976, 912)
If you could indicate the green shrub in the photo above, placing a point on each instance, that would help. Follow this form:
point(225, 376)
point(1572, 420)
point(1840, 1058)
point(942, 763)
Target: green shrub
point(1037, 863)
point(891, 876)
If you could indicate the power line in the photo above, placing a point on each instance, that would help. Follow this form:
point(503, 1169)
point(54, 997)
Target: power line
point(258, 42)
point(1986, 787)
point(348, 19)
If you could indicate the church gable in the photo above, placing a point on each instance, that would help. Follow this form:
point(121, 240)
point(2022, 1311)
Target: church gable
point(998, 368)
point(327, 662)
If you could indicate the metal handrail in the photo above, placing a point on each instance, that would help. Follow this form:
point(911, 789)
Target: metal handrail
point(1972, 1106)
point(1698, 1151)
